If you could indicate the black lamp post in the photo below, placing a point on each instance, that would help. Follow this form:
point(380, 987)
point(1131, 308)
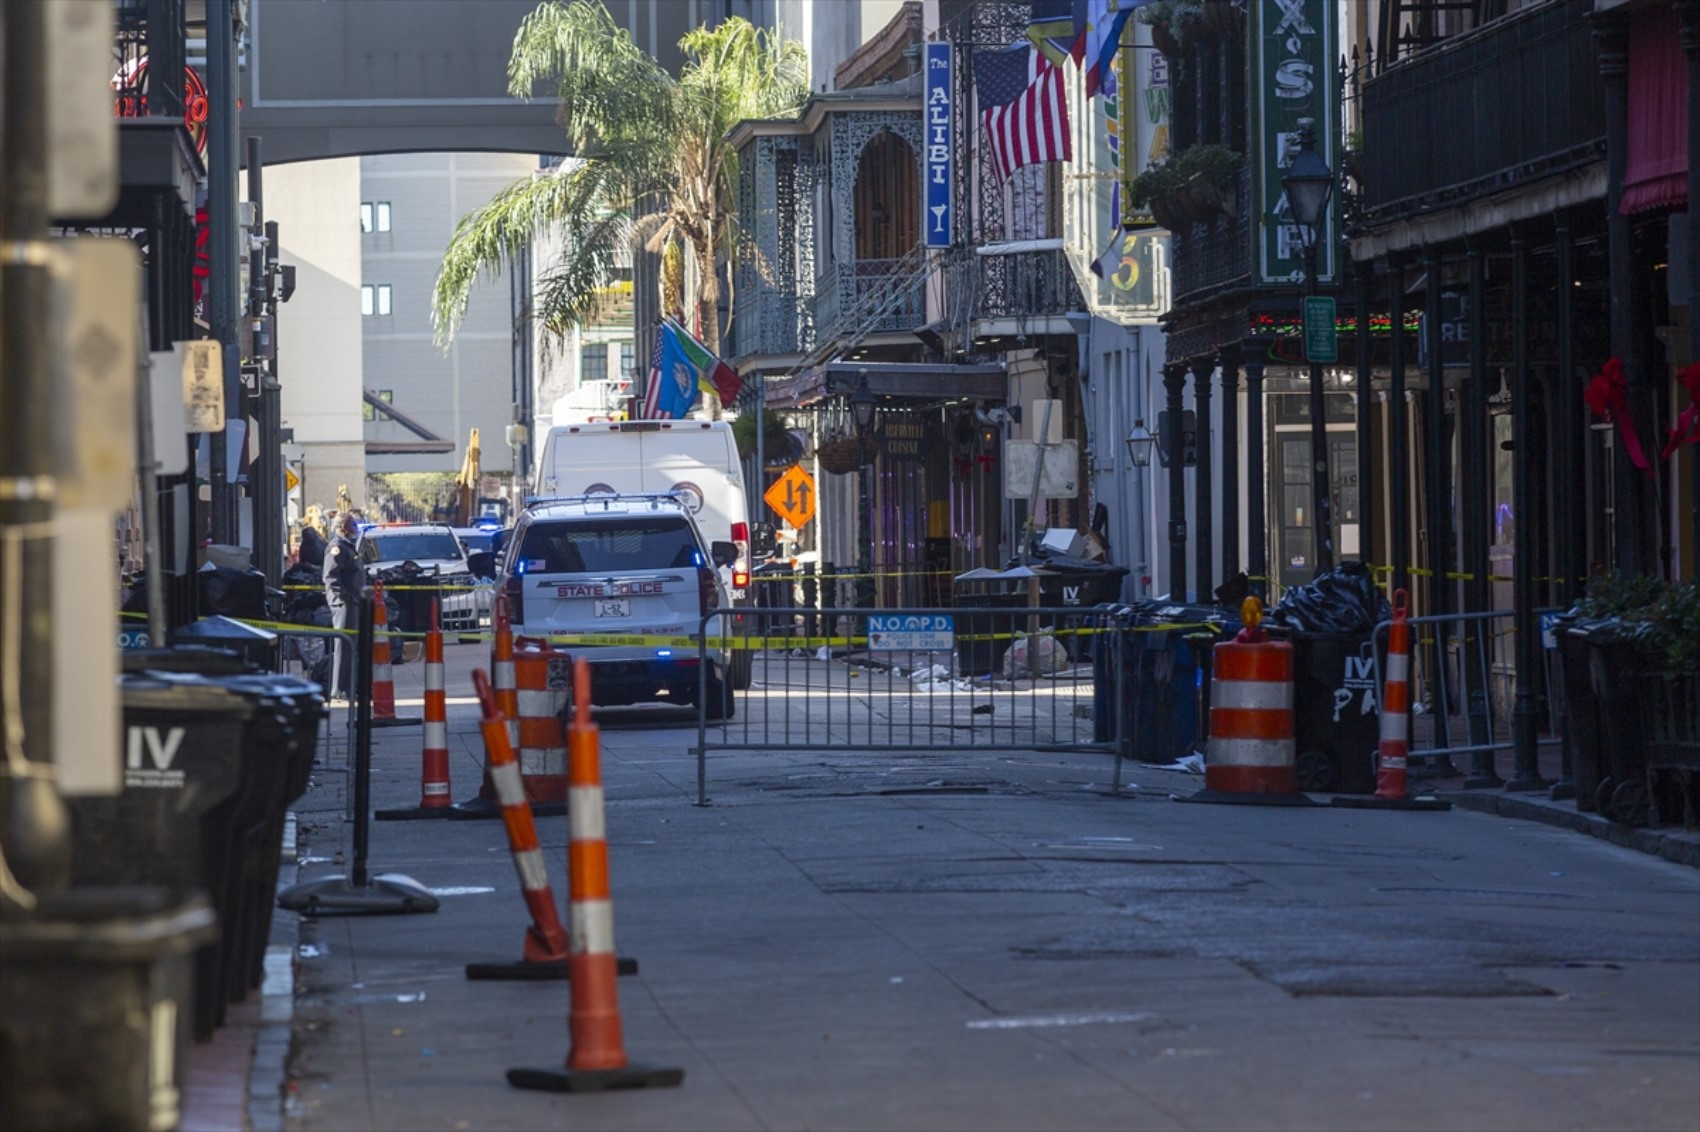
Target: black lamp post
point(863, 410)
point(1309, 183)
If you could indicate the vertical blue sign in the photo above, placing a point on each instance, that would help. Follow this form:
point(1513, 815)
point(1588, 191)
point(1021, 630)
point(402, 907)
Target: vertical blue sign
point(936, 112)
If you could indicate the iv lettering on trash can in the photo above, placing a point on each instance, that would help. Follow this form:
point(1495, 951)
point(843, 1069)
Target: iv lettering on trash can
point(148, 755)
point(1359, 676)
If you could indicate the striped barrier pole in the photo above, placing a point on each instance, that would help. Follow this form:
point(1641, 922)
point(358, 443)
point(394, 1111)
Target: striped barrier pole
point(596, 1060)
point(484, 804)
point(434, 800)
point(1250, 754)
point(1392, 792)
point(383, 679)
point(544, 953)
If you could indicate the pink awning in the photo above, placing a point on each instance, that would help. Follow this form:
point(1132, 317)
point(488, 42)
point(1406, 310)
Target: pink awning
point(1657, 173)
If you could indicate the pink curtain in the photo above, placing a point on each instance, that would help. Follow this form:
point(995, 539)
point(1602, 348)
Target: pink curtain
point(1657, 174)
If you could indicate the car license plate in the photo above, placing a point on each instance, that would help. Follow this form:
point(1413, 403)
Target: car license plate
point(614, 607)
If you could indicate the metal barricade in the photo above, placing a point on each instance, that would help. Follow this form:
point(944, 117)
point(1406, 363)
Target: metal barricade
point(1463, 676)
point(963, 678)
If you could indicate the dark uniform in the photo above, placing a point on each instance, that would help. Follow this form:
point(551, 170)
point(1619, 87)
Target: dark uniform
point(344, 579)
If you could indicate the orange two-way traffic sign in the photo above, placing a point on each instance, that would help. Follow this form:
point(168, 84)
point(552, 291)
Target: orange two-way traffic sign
point(793, 496)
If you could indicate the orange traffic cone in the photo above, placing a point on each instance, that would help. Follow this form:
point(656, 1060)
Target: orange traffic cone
point(544, 953)
point(597, 1059)
point(1391, 792)
point(383, 680)
point(434, 800)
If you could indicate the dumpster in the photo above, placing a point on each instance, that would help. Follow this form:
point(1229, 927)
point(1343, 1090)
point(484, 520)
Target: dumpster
point(1080, 581)
point(1336, 710)
point(94, 1007)
point(1162, 678)
point(984, 633)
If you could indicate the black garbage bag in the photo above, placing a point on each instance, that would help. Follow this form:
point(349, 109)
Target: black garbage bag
point(1342, 600)
point(233, 593)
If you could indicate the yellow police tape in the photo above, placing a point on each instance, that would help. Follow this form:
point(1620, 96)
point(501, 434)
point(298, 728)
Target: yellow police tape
point(737, 642)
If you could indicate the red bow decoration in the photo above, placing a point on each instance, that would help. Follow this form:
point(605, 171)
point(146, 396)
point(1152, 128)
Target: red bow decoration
point(1608, 396)
point(1687, 430)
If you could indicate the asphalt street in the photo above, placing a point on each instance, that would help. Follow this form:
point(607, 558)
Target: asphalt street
point(989, 938)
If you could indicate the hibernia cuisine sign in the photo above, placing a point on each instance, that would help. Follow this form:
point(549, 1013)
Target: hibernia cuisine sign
point(130, 88)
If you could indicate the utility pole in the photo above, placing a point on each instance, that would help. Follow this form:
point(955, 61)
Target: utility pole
point(34, 827)
point(224, 304)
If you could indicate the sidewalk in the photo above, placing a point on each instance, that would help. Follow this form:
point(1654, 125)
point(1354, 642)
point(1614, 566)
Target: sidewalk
point(398, 980)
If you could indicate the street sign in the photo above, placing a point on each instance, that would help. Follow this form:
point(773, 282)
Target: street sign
point(792, 497)
point(911, 632)
point(291, 481)
point(1321, 343)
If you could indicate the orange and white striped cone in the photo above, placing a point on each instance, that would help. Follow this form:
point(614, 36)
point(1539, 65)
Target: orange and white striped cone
point(434, 799)
point(484, 804)
point(597, 1058)
point(1391, 789)
point(544, 953)
point(1250, 755)
point(383, 680)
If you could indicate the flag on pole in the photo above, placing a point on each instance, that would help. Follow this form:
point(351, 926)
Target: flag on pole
point(1104, 22)
point(652, 383)
point(1022, 107)
point(713, 375)
point(1057, 28)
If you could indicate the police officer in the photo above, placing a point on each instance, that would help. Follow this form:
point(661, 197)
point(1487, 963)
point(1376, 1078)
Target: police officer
point(344, 580)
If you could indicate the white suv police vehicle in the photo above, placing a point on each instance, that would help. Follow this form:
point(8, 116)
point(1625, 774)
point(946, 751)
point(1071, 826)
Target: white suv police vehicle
point(624, 567)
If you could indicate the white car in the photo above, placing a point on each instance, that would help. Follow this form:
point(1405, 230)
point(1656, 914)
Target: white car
point(623, 566)
point(439, 560)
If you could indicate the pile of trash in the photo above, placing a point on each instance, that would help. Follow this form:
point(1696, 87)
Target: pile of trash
point(1342, 600)
point(1043, 654)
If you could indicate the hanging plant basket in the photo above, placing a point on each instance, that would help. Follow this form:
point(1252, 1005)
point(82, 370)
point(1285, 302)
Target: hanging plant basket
point(1166, 211)
point(840, 456)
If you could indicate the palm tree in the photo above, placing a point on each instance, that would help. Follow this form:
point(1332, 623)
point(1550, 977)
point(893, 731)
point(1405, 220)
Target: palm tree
point(652, 163)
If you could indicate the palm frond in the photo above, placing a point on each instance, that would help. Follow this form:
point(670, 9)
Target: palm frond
point(612, 95)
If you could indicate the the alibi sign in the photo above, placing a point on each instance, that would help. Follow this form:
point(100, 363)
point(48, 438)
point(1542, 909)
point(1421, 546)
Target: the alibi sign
point(937, 221)
point(1292, 77)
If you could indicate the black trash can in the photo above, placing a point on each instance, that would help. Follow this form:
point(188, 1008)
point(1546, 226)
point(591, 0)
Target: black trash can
point(1614, 666)
point(95, 993)
point(1080, 581)
point(1583, 728)
point(257, 646)
point(174, 822)
point(984, 632)
point(1336, 710)
point(1162, 679)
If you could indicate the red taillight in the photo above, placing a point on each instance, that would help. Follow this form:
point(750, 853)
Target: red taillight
point(515, 590)
point(741, 568)
point(708, 594)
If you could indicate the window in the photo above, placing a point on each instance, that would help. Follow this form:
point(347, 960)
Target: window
point(375, 217)
point(368, 413)
point(375, 299)
point(628, 361)
point(593, 364)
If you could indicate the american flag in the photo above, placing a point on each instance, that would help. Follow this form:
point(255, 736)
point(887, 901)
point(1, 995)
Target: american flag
point(1022, 106)
point(652, 384)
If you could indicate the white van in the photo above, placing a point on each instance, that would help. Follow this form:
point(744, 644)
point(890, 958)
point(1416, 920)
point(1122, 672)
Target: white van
point(696, 459)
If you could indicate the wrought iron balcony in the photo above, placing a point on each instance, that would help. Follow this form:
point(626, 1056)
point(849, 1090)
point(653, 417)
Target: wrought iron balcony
point(1026, 284)
point(1209, 256)
point(847, 290)
point(1518, 99)
point(770, 322)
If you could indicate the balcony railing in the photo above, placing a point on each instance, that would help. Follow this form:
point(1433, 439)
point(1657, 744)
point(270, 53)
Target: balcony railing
point(1210, 256)
point(1026, 284)
point(770, 322)
point(1517, 99)
point(860, 286)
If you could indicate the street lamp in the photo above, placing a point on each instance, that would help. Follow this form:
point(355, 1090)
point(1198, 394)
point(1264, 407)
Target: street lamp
point(862, 410)
point(1139, 444)
point(1309, 183)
